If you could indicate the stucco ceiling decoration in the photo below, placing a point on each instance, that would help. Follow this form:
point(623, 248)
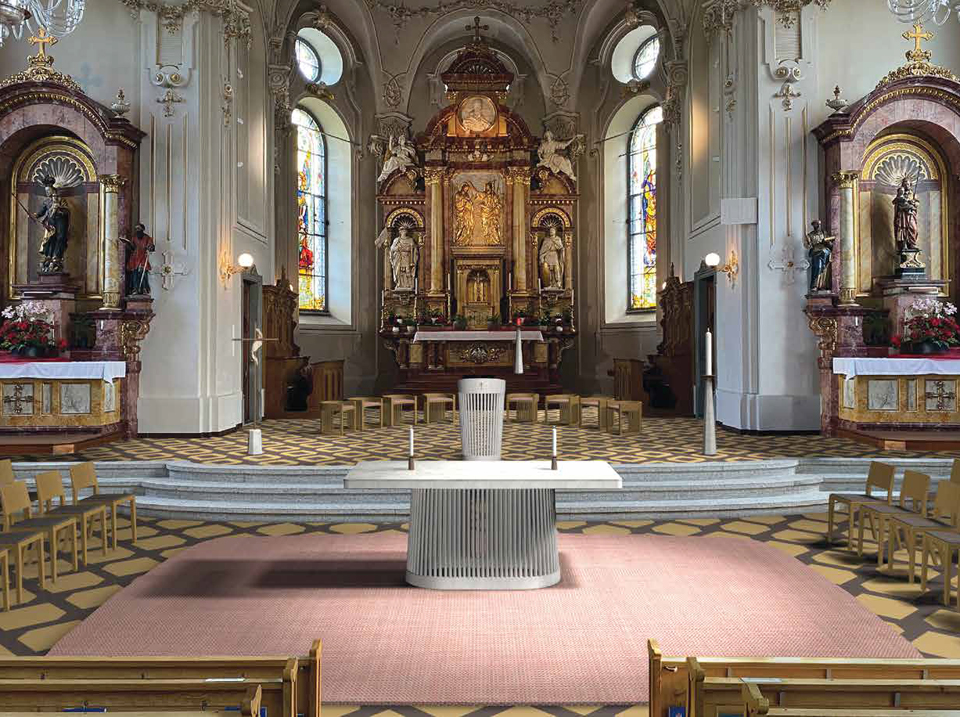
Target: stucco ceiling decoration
point(236, 21)
point(553, 11)
point(719, 14)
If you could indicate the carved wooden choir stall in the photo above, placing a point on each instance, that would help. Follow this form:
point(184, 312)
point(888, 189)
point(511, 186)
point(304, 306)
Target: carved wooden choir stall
point(478, 238)
point(890, 177)
point(69, 172)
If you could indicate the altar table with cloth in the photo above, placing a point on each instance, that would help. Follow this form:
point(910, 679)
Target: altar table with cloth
point(59, 395)
point(483, 525)
point(898, 392)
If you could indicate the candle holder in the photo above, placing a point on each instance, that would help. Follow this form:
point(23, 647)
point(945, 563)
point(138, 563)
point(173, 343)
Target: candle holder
point(411, 463)
point(553, 463)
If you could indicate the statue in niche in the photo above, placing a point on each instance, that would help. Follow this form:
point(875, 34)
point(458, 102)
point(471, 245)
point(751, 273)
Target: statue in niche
point(551, 154)
point(463, 210)
point(491, 209)
point(138, 261)
point(820, 249)
point(404, 255)
point(479, 287)
point(400, 154)
point(551, 259)
point(478, 216)
point(905, 231)
point(54, 217)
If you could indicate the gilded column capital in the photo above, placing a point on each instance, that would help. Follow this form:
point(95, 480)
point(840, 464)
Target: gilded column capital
point(112, 182)
point(520, 174)
point(847, 179)
point(433, 175)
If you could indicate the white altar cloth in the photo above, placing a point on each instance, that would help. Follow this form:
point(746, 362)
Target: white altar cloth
point(50, 370)
point(476, 336)
point(853, 367)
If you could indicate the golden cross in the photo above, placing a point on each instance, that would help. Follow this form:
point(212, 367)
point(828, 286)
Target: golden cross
point(918, 35)
point(43, 39)
point(475, 28)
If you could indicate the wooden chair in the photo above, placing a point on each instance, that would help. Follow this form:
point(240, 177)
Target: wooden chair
point(330, 411)
point(938, 547)
point(524, 406)
point(914, 493)
point(954, 471)
point(16, 503)
point(434, 403)
point(5, 574)
point(83, 476)
point(361, 405)
point(911, 527)
point(6, 472)
point(397, 401)
point(50, 488)
point(879, 478)
point(569, 405)
point(624, 412)
point(598, 402)
point(18, 543)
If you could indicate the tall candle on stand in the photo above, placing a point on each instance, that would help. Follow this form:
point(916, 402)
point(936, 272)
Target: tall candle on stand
point(411, 464)
point(709, 341)
point(553, 457)
point(411, 440)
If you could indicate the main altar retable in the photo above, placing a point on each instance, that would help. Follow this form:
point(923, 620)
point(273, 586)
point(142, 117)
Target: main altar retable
point(477, 236)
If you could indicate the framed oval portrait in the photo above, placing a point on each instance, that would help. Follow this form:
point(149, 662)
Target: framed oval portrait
point(477, 113)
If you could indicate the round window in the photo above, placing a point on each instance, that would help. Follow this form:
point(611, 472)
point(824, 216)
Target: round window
point(646, 58)
point(307, 60)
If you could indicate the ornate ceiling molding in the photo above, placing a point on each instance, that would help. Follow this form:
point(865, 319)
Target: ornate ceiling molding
point(236, 21)
point(719, 14)
point(553, 11)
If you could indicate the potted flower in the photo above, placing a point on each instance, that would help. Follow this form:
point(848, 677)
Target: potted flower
point(436, 317)
point(493, 322)
point(929, 328)
point(411, 324)
point(520, 317)
point(460, 322)
point(27, 331)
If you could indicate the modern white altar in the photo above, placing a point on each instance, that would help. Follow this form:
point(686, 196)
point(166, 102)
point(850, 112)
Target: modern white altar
point(484, 525)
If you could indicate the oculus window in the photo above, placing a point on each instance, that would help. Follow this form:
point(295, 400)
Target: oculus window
point(307, 60)
point(646, 58)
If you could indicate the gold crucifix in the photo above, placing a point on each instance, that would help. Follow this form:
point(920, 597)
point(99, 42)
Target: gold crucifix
point(475, 28)
point(919, 35)
point(43, 39)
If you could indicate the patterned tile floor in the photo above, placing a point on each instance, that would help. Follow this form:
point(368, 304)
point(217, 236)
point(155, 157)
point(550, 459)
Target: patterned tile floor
point(291, 442)
point(31, 629)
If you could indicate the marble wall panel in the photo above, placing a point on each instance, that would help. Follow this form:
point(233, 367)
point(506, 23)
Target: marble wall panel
point(883, 395)
point(74, 398)
point(18, 399)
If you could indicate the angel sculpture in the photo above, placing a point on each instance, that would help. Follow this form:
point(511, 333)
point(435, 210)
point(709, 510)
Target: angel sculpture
point(551, 156)
point(400, 155)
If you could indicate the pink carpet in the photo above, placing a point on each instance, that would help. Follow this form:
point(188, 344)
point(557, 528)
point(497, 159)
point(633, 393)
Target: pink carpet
point(582, 641)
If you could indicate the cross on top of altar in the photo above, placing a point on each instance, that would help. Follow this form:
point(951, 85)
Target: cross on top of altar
point(475, 28)
point(43, 39)
point(919, 35)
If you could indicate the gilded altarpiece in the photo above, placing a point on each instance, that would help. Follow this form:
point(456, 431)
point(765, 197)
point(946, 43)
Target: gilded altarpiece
point(489, 239)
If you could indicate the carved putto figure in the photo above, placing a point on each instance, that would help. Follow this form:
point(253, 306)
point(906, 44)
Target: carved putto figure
point(551, 154)
point(819, 248)
point(400, 154)
point(551, 259)
point(404, 255)
point(905, 206)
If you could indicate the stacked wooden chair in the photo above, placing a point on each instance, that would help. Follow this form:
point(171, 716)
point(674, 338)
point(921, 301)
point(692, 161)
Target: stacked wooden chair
point(907, 529)
point(879, 479)
point(914, 493)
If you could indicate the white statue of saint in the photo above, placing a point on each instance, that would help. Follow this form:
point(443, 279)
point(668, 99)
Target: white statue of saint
point(404, 254)
point(551, 154)
point(551, 259)
point(400, 155)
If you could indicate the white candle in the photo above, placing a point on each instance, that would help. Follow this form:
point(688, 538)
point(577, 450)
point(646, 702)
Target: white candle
point(709, 342)
point(411, 440)
point(554, 441)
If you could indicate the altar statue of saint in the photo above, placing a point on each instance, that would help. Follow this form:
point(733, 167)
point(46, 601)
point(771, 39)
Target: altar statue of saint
point(491, 211)
point(819, 248)
point(463, 214)
point(54, 217)
point(905, 208)
point(552, 157)
point(404, 254)
point(551, 259)
point(400, 155)
point(138, 261)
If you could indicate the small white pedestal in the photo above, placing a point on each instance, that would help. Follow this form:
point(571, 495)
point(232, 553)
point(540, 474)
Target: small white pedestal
point(254, 442)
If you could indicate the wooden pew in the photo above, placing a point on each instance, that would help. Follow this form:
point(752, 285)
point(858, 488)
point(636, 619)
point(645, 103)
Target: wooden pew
point(756, 705)
point(138, 695)
point(669, 678)
point(304, 678)
point(722, 696)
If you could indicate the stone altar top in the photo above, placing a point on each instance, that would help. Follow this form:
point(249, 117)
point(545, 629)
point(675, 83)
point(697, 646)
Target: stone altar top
point(90, 370)
point(476, 336)
point(570, 475)
point(851, 367)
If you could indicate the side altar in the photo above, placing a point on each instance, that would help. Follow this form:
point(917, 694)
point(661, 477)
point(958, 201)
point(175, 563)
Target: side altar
point(479, 225)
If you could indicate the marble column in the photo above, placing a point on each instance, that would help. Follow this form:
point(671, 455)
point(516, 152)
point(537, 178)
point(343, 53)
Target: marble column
point(521, 185)
point(434, 181)
point(847, 181)
point(110, 185)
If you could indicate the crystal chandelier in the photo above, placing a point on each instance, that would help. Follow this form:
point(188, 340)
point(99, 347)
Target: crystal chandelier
point(924, 10)
point(58, 17)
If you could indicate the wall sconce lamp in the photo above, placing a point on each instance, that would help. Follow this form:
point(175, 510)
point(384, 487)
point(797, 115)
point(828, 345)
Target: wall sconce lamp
point(227, 269)
point(731, 268)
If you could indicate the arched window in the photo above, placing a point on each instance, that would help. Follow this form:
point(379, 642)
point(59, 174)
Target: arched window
point(642, 209)
point(311, 212)
point(307, 60)
point(646, 58)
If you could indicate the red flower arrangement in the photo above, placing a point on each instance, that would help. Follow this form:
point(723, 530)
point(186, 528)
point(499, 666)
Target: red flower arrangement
point(929, 322)
point(27, 327)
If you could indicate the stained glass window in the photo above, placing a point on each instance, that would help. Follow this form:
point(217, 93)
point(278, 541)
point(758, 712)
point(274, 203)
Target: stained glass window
point(307, 60)
point(311, 212)
point(642, 211)
point(646, 58)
